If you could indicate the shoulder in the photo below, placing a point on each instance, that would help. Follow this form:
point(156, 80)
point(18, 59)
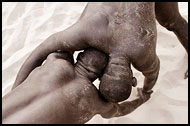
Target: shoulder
point(60, 67)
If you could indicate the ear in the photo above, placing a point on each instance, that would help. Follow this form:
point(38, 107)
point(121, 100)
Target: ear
point(134, 82)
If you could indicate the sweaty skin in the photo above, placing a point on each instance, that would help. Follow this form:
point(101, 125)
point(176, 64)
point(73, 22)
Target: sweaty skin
point(125, 31)
point(65, 94)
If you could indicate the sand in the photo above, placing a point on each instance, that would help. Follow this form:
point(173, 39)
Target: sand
point(26, 25)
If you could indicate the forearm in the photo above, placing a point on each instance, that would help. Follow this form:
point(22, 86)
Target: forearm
point(149, 83)
point(182, 32)
point(128, 107)
point(151, 75)
point(68, 40)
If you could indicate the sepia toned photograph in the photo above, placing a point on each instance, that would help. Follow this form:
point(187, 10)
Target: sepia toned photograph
point(95, 62)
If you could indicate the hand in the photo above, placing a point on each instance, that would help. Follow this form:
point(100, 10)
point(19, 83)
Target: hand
point(144, 96)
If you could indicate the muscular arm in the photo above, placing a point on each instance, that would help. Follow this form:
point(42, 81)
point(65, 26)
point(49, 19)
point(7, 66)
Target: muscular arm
point(122, 109)
point(69, 40)
point(151, 75)
point(127, 107)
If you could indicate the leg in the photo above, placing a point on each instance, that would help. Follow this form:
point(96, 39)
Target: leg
point(151, 75)
point(167, 14)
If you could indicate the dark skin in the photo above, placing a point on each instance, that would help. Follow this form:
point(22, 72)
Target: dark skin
point(126, 32)
point(167, 14)
point(64, 95)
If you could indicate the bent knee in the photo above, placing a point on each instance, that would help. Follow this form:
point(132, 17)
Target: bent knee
point(167, 14)
point(171, 23)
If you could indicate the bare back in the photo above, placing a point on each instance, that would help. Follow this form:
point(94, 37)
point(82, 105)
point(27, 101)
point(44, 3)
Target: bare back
point(46, 96)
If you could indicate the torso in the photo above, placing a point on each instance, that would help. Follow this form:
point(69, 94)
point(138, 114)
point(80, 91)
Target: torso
point(127, 29)
point(45, 98)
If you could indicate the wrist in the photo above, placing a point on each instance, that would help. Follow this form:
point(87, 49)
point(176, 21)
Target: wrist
point(145, 90)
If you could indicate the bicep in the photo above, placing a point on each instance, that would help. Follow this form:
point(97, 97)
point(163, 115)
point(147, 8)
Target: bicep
point(68, 40)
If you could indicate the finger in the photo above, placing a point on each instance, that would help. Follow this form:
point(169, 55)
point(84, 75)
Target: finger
point(91, 63)
point(70, 40)
point(116, 83)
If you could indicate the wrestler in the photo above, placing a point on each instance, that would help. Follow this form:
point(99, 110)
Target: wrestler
point(126, 31)
point(57, 92)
